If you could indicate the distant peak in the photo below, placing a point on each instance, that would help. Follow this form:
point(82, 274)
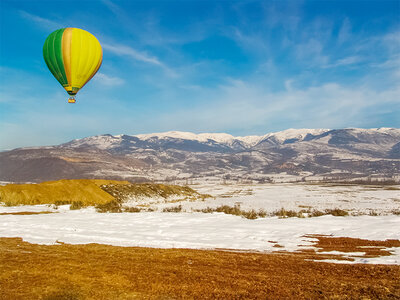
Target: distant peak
point(224, 138)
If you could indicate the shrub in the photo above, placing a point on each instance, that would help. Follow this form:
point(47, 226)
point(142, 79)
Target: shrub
point(283, 213)
point(132, 209)
point(235, 210)
point(336, 212)
point(316, 213)
point(206, 210)
point(59, 202)
point(252, 214)
point(76, 205)
point(9, 203)
point(262, 213)
point(112, 207)
point(173, 209)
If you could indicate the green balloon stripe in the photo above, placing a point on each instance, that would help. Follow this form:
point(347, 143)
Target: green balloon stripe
point(46, 56)
point(59, 55)
point(52, 57)
point(52, 53)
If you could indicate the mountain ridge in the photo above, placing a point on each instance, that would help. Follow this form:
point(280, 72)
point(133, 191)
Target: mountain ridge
point(288, 136)
point(301, 153)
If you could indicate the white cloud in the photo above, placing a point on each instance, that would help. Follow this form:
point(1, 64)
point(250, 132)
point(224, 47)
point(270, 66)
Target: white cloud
point(252, 42)
point(392, 42)
point(345, 31)
point(311, 50)
point(106, 80)
point(123, 50)
point(112, 6)
point(392, 62)
point(288, 84)
point(392, 65)
point(43, 22)
point(350, 60)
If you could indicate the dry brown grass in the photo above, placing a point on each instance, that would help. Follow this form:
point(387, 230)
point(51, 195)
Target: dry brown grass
point(122, 192)
point(105, 272)
point(174, 209)
point(27, 213)
point(345, 244)
point(281, 213)
point(84, 192)
point(235, 210)
point(337, 212)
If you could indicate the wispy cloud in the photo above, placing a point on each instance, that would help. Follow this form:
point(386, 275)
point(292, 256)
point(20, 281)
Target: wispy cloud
point(392, 62)
point(123, 50)
point(43, 22)
point(106, 80)
point(113, 7)
point(253, 42)
point(345, 31)
point(351, 60)
point(311, 51)
point(392, 41)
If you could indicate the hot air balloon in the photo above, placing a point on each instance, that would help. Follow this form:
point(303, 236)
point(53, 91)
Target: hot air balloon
point(73, 56)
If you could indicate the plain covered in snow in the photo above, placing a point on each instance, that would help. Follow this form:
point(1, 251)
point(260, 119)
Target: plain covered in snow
point(189, 229)
point(193, 230)
point(356, 199)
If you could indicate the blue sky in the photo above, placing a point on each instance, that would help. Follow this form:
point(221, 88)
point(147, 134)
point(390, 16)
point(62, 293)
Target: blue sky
point(241, 67)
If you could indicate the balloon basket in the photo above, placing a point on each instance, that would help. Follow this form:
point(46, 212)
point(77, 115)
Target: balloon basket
point(71, 100)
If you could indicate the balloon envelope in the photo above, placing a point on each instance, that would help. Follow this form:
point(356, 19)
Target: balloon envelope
point(73, 56)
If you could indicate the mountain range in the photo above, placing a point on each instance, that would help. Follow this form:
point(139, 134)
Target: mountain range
point(304, 154)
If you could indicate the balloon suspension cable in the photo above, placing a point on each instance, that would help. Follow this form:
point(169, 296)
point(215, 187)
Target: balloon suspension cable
point(71, 99)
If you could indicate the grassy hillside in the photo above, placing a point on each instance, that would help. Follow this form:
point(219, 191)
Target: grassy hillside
point(83, 191)
point(108, 195)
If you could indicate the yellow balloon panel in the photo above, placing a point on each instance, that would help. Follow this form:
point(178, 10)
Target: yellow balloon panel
point(82, 55)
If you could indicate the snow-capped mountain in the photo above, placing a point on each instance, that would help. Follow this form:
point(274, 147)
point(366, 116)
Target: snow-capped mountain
point(108, 141)
point(304, 153)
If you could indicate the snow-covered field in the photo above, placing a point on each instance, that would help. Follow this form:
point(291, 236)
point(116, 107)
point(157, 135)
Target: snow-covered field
point(218, 230)
point(355, 199)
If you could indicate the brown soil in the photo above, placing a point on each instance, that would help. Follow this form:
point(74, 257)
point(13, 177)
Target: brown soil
point(94, 271)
